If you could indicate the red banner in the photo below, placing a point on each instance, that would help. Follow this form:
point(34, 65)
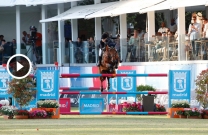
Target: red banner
point(65, 105)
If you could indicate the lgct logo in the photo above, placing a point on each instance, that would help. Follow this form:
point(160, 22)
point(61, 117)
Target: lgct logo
point(4, 78)
point(47, 81)
point(179, 81)
point(127, 83)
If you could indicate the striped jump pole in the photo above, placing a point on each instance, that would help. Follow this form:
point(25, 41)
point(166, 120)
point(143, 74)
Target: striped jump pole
point(111, 75)
point(143, 92)
point(80, 88)
point(113, 113)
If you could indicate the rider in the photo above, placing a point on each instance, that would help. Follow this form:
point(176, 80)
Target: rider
point(105, 41)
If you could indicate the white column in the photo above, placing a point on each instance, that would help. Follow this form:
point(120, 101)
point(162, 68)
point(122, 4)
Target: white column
point(44, 34)
point(98, 29)
point(74, 30)
point(18, 36)
point(61, 52)
point(123, 36)
point(151, 28)
point(181, 34)
point(74, 25)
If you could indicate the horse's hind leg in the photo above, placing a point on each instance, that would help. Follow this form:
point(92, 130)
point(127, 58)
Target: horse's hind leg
point(101, 82)
point(108, 82)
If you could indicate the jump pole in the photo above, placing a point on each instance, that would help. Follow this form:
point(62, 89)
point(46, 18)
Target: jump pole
point(113, 113)
point(111, 75)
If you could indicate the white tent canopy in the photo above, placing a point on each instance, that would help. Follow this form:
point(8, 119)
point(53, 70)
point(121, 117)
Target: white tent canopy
point(9, 3)
point(174, 4)
point(123, 7)
point(87, 10)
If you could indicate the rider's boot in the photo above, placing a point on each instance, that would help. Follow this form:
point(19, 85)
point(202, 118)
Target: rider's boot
point(99, 62)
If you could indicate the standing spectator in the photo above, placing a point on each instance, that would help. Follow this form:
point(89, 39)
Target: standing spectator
point(91, 52)
point(25, 37)
point(1, 38)
point(173, 26)
point(39, 43)
point(194, 34)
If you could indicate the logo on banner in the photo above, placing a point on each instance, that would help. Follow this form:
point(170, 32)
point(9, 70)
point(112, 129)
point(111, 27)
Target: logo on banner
point(127, 83)
point(179, 81)
point(47, 81)
point(4, 78)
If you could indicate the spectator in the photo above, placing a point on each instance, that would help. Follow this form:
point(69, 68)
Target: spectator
point(194, 34)
point(91, 52)
point(1, 38)
point(25, 37)
point(38, 43)
point(163, 29)
point(173, 26)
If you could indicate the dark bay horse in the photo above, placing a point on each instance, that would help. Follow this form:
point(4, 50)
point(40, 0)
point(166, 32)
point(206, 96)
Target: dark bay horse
point(109, 64)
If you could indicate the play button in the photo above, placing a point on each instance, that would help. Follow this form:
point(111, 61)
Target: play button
point(19, 66)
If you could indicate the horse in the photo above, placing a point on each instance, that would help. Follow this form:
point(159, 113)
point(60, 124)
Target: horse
point(109, 64)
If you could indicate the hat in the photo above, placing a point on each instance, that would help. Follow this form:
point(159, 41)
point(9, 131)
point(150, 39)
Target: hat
point(104, 36)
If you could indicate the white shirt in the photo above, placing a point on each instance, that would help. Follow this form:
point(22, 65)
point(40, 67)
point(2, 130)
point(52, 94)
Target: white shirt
point(173, 28)
point(206, 30)
point(161, 30)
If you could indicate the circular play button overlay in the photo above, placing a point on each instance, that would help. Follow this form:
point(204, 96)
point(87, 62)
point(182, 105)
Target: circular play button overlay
point(19, 66)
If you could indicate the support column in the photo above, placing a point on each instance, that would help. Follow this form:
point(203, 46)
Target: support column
point(74, 30)
point(151, 28)
point(74, 24)
point(206, 11)
point(61, 52)
point(18, 37)
point(123, 36)
point(181, 34)
point(98, 31)
point(44, 34)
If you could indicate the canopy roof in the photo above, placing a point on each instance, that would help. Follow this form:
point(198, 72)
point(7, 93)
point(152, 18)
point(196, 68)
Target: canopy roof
point(123, 7)
point(9, 3)
point(104, 9)
point(174, 4)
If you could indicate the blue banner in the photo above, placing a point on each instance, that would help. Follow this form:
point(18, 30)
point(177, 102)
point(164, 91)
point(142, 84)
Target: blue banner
point(91, 105)
point(179, 85)
point(126, 84)
point(4, 79)
point(48, 84)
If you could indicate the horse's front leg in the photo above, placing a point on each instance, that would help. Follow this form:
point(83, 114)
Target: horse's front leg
point(101, 82)
point(108, 82)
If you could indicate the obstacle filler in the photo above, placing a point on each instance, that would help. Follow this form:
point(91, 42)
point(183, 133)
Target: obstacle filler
point(97, 92)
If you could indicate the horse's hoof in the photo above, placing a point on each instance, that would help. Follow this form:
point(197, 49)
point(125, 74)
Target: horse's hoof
point(101, 89)
point(109, 88)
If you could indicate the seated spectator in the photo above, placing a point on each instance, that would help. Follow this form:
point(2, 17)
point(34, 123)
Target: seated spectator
point(117, 47)
point(163, 29)
point(91, 47)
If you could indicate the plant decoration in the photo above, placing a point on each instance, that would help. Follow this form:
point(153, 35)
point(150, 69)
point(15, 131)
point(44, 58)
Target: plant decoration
point(132, 107)
point(47, 104)
point(38, 113)
point(160, 108)
point(190, 112)
point(22, 89)
point(144, 88)
point(202, 88)
point(21, 112)
point(7, 110)
point(41, 114)
point(180, 104)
